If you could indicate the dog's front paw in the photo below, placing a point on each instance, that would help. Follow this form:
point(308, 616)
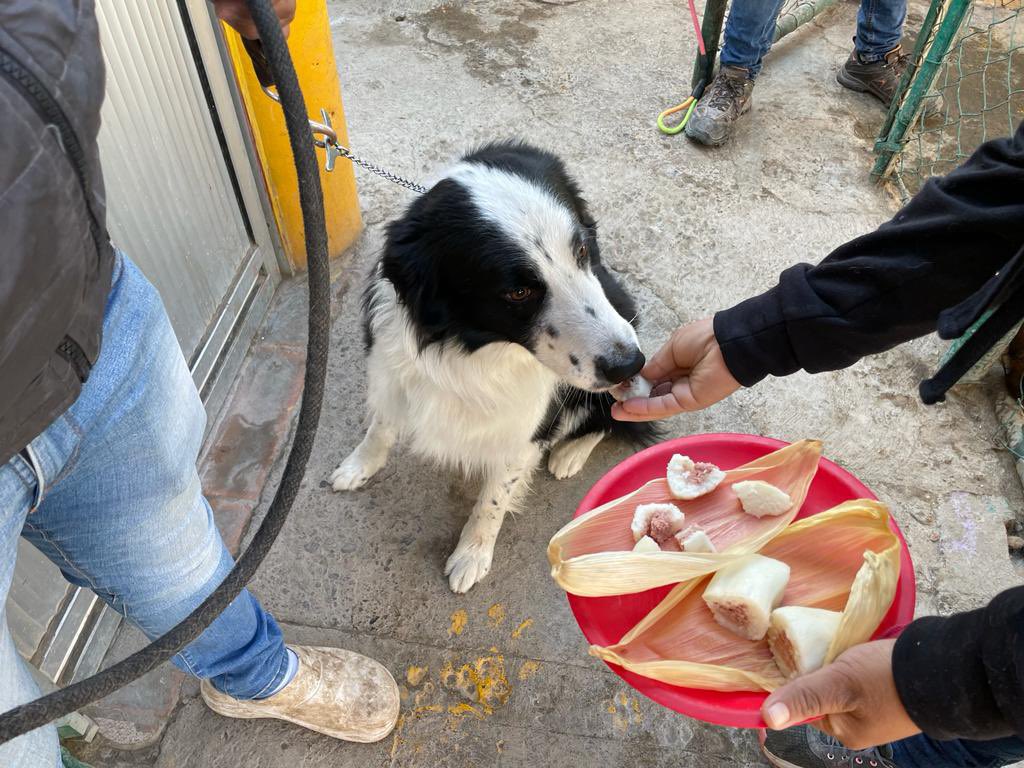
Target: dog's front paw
point(468, 564)
point(351, 474)
point(568, 458)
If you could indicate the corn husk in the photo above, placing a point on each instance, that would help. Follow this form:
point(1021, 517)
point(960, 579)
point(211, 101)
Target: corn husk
point(846, 559)
point(592, 555)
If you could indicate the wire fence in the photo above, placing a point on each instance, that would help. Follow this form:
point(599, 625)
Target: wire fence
point(975, 54)
point(796, 13)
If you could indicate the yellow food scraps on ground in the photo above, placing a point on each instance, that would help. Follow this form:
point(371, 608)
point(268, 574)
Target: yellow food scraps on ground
point(434, 706)
point(518, 631)
point(414, 675)
point(528, 669)
point(482, 682)
point(459, 620)
point(462, 709)
point(625, 711)
point(496, 613)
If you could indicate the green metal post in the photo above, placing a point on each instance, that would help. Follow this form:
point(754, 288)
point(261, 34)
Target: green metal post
point(711, 30)
point(890, 141)
point(923, 36)
point(800, 15)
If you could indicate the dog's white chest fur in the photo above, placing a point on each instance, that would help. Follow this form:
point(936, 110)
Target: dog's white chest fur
point(474, 411)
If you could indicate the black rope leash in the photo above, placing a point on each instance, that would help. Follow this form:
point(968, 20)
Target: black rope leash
point(34, 714)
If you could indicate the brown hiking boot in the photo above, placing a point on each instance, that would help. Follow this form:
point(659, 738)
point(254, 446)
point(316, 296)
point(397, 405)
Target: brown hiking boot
point(881, 78)
point(715, 115)
point(335, 692)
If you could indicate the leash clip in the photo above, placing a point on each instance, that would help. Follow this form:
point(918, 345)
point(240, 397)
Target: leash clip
point(324, 135)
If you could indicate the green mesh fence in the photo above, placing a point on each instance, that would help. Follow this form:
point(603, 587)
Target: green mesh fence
point(975, 52)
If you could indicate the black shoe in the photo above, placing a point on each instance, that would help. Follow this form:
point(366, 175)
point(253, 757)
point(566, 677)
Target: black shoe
point(807, 747)
point(879, 78)
point(715, 115)
point(882, 78)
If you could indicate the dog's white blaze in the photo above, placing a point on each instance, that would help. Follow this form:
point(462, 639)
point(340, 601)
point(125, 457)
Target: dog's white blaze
point(524, 211)
point(586, 324)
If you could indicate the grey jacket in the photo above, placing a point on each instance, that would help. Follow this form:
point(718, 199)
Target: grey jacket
point(55, 258)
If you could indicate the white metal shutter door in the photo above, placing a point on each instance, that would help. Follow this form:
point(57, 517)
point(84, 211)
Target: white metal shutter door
point(171, 204)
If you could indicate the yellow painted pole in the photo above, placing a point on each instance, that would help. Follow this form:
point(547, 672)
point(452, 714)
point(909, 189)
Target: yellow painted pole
point(310, 44)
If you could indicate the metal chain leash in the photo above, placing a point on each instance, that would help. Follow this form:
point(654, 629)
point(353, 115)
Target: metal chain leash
point(376, 169)
point(325, 137)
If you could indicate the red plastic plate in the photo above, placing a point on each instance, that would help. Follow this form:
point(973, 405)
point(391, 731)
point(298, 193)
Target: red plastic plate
point(604, 620)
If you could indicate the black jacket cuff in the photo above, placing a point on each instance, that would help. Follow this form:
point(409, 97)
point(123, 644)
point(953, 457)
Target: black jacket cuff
point(754, 339)
point(961, 676)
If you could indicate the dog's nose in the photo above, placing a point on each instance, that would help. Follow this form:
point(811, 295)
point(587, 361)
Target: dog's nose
point(620, 366)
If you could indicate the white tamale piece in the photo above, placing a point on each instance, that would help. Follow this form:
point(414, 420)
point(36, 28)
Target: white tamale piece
point(660, 521)
point(759, 498)
point(800, 637)
point(695, 540)
point(743, 594)
point(636, 386)
point(646, 544)
point(688, 479)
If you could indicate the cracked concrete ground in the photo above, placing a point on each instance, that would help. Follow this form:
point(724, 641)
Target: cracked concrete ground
point(500, 676)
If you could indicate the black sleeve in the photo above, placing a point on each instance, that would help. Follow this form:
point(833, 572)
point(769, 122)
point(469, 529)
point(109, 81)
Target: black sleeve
point(963, 676)
point(891, 285)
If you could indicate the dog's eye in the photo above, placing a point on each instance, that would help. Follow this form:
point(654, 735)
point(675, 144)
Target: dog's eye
point(518, 294)
point(581, 252)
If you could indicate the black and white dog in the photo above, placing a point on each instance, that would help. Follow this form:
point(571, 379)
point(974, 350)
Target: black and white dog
point(493, 334)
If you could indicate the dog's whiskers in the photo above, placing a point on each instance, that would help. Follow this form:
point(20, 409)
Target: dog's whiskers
point(561, 405)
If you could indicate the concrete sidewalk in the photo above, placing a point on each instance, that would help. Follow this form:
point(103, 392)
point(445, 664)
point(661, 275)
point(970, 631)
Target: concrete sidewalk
point(500, 676)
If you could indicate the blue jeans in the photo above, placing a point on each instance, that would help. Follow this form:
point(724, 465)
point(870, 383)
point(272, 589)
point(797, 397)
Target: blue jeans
point(750, 29)
point(922, 752)
point(113, 499)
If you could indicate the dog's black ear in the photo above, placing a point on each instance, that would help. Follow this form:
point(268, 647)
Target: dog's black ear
point(410, 264)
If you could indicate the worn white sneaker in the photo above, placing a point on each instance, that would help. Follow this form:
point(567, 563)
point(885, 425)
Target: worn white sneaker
point(335, 692)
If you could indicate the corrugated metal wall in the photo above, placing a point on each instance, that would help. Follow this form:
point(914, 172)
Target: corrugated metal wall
point(172, 207)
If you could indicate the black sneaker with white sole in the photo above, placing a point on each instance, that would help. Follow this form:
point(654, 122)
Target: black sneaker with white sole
point(807, 747)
